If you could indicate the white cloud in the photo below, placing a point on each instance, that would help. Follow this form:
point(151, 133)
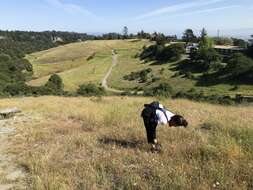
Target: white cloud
point(70, 8)
point(177, 8)
point(208, 10)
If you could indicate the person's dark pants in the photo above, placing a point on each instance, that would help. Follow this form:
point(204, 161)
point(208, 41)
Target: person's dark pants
point(150, 126)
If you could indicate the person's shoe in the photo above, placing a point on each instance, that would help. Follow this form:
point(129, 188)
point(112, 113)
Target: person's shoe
point(156, 148)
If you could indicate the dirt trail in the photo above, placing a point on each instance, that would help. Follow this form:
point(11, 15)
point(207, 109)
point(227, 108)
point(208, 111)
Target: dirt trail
point(10, 174)
point(104, 81)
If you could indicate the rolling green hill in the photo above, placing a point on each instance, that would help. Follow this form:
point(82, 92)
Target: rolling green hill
point(88, 62)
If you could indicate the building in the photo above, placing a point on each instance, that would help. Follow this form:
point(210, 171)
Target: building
point(191, 46)
point(228, 50)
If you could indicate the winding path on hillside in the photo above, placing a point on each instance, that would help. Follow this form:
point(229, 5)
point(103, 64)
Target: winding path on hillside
point(104, 81)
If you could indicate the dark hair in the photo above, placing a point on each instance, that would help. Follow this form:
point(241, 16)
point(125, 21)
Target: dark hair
point(179, 120)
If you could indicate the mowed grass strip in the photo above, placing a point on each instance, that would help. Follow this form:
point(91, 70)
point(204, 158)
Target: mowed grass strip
point(100, 143)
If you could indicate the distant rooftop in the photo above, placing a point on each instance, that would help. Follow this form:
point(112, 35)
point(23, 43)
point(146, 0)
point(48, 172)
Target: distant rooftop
point(228, 47)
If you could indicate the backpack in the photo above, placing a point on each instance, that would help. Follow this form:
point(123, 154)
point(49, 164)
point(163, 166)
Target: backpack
point(149, 112)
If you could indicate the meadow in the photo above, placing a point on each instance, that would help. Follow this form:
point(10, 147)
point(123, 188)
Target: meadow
point(72, 62)
point(100, 143)
point(73, 65)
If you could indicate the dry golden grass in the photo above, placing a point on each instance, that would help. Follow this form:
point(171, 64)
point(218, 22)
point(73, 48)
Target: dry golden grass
point(100, 143)
point(70, 61)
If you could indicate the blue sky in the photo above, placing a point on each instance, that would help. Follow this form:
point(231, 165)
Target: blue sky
point(92, 16)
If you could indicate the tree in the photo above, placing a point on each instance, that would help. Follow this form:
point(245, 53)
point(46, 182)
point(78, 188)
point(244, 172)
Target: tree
point(125, 32)
point(239, 42)
point(251, 40)
point(90, 90)
point(239, 65)
point(143, 35)
point(203, 33)
point(159, 38)
point(163, 53)
point(250, 48)
point(55, 83)
point(163, 89)
point(205, 41)
point(223, 41)
point(206, 57)
point(170, 53)
point(189, 36)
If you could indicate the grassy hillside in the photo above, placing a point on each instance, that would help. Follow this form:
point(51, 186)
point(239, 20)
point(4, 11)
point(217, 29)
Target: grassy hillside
point(100, 143)
point(167, 72)
point(70, 62)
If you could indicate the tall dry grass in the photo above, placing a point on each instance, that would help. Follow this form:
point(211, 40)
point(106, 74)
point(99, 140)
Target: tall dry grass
point(100, 143)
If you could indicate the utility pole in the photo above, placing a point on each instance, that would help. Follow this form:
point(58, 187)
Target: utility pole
point(218, 33)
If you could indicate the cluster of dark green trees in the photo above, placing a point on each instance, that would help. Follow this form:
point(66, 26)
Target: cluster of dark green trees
point(162, 53)
point(190, 37)
point(15, 70)
point(19, 43)
point(140, 35)
point(236, 66)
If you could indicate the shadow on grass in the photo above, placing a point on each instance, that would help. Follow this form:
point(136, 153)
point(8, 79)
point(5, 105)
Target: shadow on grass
point(133, 144)
point(186, 66)
point(221, 78)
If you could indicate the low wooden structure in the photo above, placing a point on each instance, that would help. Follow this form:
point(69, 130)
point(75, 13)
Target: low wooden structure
point(228, 50)
point(243, 98)
point(9, 112)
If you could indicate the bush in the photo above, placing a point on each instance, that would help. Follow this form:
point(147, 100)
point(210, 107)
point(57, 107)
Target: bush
point(163, 53)
point(240, 65)
point(163, 90)
point(170, 53)
point(54, 85)
point(235, 88)
point(199, 96)
point(16, 89)
point(205, 58)
point(140, 75)
point(91, 57)
point(90, 90)
point(149, 53)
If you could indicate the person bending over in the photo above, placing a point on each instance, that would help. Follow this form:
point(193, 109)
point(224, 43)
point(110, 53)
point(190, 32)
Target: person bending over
point(155, 114)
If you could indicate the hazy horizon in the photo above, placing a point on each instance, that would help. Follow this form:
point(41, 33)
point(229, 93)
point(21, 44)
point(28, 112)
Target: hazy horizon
point(230, 17)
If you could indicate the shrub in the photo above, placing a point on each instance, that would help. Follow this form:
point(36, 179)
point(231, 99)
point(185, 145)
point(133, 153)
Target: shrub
point(16, 89)
point(192, 94)
point(90, 90)
point(234, 88)
point(54, 85)
point(170, 53)
point(140, 75)
point(205, 58)
point(91, 57)
point(163, 89)
point(240, 65)
point(163, 53)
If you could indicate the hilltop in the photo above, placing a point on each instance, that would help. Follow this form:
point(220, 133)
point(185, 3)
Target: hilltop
point(100, 143)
